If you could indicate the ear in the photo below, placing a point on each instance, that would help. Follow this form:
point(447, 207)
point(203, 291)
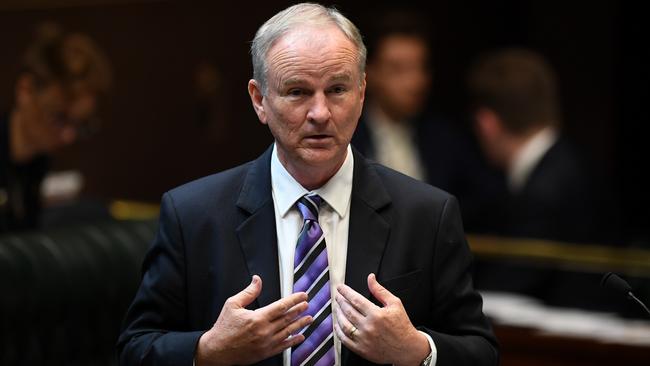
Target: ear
point(363, 89)
point(488, 124)
point(373, 77)
point(370, 71)
point(24, 89)
point(257, 99)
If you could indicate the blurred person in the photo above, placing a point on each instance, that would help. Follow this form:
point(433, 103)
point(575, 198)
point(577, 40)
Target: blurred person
point(55, 100)
point(242, 272)
point(398, 129)
point(553, 193)
point(553, 190)
point(399, 80)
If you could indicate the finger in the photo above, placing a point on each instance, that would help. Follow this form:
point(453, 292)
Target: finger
point(292, 329)
point(249, 294)
point(352, 315)
point(279, 308)
point(345, 339)
point(287, 343)
point(345, 324)
point(363, 305)
point(290, 316)
point(380, 292)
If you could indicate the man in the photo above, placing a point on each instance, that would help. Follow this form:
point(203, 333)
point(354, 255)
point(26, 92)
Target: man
point(55, 101)
point(399, 80)
point(356, 225)
point(397, 131)
point(552, 192)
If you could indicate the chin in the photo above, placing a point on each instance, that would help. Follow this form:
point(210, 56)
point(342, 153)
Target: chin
point(320, 156)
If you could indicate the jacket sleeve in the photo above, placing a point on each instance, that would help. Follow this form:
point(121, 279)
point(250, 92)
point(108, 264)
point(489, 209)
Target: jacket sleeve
point(155, 330)
point(462, 335)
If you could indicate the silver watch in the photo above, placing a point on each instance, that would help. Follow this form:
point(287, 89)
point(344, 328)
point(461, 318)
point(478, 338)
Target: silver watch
point(427, 361)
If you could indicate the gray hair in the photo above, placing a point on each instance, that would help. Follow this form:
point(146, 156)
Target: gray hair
point(292, 17)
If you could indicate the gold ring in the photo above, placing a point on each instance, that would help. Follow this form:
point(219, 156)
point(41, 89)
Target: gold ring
point(352, 331)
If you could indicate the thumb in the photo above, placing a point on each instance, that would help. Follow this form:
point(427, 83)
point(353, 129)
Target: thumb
point(380, 293)
point(250, 293)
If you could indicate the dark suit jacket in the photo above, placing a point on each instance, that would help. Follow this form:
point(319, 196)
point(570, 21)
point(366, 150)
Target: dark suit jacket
point(216, 232)
point(19, 185)
point(563, 199)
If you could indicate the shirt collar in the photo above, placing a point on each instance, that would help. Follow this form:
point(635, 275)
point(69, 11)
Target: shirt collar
point(336, 192)
point(529, 156)
point(383, 125)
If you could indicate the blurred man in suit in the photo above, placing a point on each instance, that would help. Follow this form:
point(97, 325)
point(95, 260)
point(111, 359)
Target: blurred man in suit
point(317, 227)
point(56, 97)
point(553, 192)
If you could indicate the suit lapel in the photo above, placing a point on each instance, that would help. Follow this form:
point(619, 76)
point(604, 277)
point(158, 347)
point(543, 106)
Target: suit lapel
point(369, 230)
point(257, 234)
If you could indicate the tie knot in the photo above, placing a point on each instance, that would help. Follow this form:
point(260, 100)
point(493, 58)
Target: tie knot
point(308, 206)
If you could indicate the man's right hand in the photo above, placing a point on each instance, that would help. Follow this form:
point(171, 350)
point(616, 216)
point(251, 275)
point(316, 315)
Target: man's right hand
point(242, 336)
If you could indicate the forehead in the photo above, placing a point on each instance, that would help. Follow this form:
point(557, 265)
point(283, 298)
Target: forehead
point(400, 45)
point(310, 52)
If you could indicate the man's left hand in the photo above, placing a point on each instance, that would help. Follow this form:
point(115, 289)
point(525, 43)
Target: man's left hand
point(382, 335)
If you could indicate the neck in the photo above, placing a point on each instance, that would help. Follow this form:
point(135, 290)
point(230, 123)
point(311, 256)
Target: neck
point(387, 115)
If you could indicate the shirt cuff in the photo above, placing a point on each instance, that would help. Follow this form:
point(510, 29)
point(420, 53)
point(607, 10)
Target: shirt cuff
point(434, 350)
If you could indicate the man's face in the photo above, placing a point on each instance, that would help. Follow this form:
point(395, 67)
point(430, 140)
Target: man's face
point(314, 96)
point(55, 115)
point(399, 76)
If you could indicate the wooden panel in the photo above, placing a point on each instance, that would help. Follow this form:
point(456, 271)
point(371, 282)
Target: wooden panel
point(521, 346)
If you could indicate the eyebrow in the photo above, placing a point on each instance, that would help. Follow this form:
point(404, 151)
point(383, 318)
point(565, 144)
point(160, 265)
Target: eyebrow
point(342, 77)
point(292, 81)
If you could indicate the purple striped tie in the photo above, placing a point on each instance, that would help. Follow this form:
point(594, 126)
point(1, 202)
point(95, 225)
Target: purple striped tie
point(311, 274)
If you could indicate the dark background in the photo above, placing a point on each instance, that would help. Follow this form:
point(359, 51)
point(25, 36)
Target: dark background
point(158, 131)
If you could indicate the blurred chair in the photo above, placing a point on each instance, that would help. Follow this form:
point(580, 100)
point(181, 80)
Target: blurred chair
point(64, 292)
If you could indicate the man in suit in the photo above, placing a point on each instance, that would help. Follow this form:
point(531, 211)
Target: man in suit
point(351, 263)
point(553, 193)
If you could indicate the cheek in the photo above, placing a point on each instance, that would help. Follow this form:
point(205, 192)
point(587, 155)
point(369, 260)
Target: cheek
point(349, 117)
point(84, 107)
point(284, 121)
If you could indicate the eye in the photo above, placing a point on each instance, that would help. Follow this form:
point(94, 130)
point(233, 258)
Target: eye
point(339, 89)
point(295, 92)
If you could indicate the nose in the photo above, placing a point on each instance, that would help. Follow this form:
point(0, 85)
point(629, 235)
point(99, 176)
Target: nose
point(319, 110)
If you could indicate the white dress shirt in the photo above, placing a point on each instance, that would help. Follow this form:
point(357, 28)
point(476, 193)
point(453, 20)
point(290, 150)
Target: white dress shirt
point(529, 156)
point(334, 219)
point(394, 144)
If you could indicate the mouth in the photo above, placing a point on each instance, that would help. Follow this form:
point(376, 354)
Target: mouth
point(317, 137)
point(318, 140)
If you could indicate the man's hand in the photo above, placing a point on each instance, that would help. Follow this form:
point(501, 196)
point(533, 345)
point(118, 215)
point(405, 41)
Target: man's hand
point(382, 335)
point(241, 336)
